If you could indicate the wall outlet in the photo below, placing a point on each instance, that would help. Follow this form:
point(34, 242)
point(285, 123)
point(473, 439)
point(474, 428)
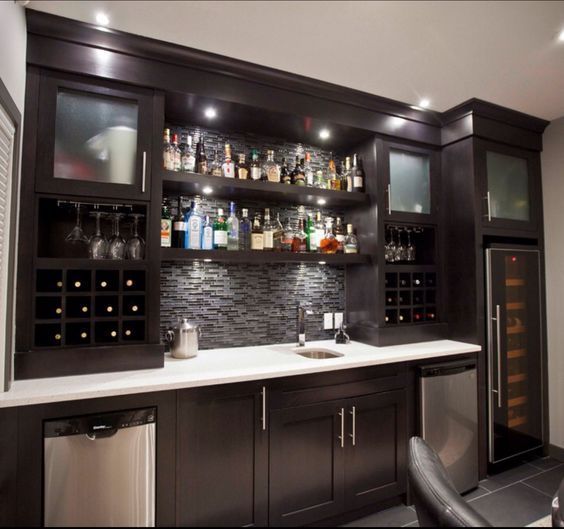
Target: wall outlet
point(328, 321)
point(338, 319)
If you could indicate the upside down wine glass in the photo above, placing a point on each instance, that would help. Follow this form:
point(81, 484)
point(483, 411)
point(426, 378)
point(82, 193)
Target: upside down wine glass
point(98, 245)
point(117, 242)
point(77, 236)
point(135, 248)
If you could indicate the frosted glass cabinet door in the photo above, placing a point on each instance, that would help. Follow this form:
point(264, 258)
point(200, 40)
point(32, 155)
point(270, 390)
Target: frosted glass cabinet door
point(410, 182)
point(508, 187)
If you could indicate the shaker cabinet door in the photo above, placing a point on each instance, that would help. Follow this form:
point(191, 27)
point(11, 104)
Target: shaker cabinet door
point(95, 138)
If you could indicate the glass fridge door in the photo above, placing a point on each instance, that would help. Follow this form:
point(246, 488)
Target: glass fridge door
point(514, 352)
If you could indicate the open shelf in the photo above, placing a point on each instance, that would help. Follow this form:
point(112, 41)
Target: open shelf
point(234, 189)
point(256, 257)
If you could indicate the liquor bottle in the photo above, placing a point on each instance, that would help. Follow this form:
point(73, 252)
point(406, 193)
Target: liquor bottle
point(332, 177)
point(168, 155)
point(177, 164)
point(201, 157)
point(298, 176)
point(220, 231)
point(340, 235)
point(166, 226)
point(195, 222)
point(287, 237)
point(207, 234)
point(299, 242)
point(278, 234)
point(311, 239)
point(256, 173)
point(351, 242)
point(188, 156)
point(245, 229)
point(357, 175)
point(285, 176)
point(242, 168)
point(319, 228)
point(228, 165)
point(268, 231)
point(182, 147)
point(308, 171)
point(178, 227)
point(271, 168)
point(328, 243)
point(347, 175)
point(215, 167)
point(257, 236)
point(232, 228)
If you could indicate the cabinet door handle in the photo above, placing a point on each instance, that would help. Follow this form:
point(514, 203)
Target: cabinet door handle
point(342, 436)
point(143, 178)
point(497, 320)
point(263, 417)
point(488, 215)
point(389, 199)
point(353, 434)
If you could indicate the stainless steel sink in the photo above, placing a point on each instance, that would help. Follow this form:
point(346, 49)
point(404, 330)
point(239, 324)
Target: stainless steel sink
point(317, 354)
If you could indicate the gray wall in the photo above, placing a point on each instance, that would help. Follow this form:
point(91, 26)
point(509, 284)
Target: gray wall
point(553, 196)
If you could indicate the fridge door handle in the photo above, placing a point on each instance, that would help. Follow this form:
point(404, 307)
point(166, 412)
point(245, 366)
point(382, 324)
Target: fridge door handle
point(497, 320)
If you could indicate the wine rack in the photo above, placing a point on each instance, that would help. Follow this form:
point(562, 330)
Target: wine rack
point(411, 297)
point(87, 307)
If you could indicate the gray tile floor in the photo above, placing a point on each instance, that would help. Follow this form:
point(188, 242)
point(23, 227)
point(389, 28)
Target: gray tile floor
point(514, 498)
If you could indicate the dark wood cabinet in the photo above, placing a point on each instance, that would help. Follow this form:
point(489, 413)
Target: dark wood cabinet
point(95, 138)
point(222, 456)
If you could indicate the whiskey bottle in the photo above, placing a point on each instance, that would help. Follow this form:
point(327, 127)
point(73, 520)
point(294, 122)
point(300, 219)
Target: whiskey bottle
point(201, 157)
point(242, 168)
point(256, 173)
point(278, 234)
point(268, 231)
point(232, 228)
point(332, 177)
point(215, 167)
point(347, 177)
point(285, 176)
point(271, 168)
point(299, 242)
point(351, 242)
point(188, 156)
point(245, 229)
point(177, 164)
point(298, 176)
point(357, 175)
point(228, 166)
point(287, 237)
point(340, 235)
point(319, 228)
point(220, 231)
point(257, 236)
point(207, 234)
point(328, 243)
point(168, 155)
point(179, 227)
point(166, 226)
point(308, 171)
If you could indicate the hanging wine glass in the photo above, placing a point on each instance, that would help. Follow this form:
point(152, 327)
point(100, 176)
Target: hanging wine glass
point(410, 248)
point(392, 247)
point(77, 235)
point(135, 248)
point(400, 248)
point(98, 244)
point(117, 242)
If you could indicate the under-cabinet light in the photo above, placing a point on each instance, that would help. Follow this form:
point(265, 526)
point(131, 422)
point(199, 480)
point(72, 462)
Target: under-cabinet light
point(324, 134)
point(102, 19)
point(207, 260)
point(210, 113)
point(207, 190)
point(322, 262)
point(321, 202)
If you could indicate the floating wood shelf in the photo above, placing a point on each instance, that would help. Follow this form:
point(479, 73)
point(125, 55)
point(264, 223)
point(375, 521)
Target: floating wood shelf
point(256, 257)
point(514, 282)
point(235, 189)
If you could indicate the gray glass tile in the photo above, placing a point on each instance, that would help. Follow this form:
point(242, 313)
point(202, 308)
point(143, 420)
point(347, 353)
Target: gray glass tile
point(547, 482)
point(398, 516)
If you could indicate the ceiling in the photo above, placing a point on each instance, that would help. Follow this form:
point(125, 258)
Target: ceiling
point(503, 52)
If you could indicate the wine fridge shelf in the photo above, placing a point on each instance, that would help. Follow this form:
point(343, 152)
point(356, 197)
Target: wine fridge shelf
point(185, 183)
point(516, 353)
point(256, 257)
point(517, 421)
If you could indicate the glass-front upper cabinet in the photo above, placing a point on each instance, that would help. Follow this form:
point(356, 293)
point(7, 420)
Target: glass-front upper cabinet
point(510, 180)
point(410, 183)
point(96, 138)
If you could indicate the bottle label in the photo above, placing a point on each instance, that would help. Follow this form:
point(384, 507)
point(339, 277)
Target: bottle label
point(243, 173)
point(220, 238)
point(203, 167)
point(257, 241)
point(189, 163)
point(228, 170)
point(207, 238)
point(179, 226)
point(195, 227)
point(273, 173)
point(255, 173)
point(358, 182)
point(166, 225)
point(351, 249)
point(268, 240)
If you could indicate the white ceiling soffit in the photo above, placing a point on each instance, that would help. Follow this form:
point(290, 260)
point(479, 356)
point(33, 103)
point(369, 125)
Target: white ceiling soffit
point(504, 52)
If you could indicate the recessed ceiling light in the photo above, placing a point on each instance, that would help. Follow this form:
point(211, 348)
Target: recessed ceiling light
point(324, 134)
point(102, 19)
point(561, 36)
point(321, 202)
point(424, 103)
point(207, 260)
point(207, 190)
point(322, 262)
point(210, 113)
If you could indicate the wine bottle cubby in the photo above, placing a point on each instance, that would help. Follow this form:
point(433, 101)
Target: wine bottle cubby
point(89, 307)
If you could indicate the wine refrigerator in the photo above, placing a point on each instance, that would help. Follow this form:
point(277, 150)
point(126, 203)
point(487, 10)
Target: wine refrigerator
point(514, 332)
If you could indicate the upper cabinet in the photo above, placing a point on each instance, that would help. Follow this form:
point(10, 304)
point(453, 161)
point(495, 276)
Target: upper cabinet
point(95, 138)
point(509, 181)
point(410, 182)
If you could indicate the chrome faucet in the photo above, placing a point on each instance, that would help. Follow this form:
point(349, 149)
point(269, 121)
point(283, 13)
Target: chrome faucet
point(301, 324)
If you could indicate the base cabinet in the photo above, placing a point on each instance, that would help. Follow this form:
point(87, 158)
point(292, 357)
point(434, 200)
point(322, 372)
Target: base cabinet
point(222, 457)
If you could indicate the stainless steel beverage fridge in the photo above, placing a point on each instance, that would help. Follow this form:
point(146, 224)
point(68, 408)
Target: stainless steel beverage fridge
point(515, 380)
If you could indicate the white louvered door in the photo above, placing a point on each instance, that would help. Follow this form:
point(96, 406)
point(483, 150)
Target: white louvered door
point(7, 132)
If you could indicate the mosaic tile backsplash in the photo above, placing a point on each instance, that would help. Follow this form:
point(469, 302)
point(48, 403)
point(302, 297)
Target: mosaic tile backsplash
point(245, 304)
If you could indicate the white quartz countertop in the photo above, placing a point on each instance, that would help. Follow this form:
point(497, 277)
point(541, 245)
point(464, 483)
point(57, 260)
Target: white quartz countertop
point(223, 366)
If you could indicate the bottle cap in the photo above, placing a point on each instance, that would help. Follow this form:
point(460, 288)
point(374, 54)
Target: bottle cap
point(349, 228)
point(220, 211)
point(245, 212)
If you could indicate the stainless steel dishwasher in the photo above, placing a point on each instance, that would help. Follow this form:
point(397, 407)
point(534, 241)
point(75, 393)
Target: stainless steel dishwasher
point(99, 470)
point(449, 418)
